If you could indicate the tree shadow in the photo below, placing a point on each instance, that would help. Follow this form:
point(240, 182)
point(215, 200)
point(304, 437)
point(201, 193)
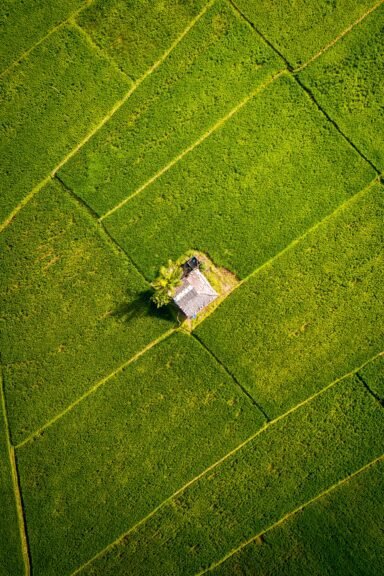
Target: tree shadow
point(139, 305)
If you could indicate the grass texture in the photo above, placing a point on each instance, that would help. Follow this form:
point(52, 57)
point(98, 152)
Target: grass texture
point(49, 102)
point(199, 83)
point(11, 561)
point(136, 34)
point(311, 315)
point(129, 446)
point(26, 23)
point(347, 81)
point(299, 30)
point(73, 309)
point(373, 376)
point(337, 535)
point(284, 467)
point(272, 171)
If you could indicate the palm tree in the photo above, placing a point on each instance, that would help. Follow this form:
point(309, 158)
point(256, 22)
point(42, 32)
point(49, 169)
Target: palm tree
point(165, 284)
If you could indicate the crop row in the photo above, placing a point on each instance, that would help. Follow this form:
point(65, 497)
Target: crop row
point(338, 534)
point(299, 30)
point(284, 467)
point(49, 102)
point(347, 81)
point(312, 315)
point(272, 171)
point(73, 309)
point(373, 376)
point(199, 83)
point(135, 441)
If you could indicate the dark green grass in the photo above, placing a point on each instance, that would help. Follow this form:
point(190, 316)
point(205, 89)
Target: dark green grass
point(23, 23)
point(136, 34)
point(273, 170)
point(300, 29)
point(73, 309)
point(49, 102)
point(121, 452)
point(11, 561)
point(339, 535)
point(282, 468)
point(348, 82)
point(373, 376)
point(200, 82)
point(314, 314)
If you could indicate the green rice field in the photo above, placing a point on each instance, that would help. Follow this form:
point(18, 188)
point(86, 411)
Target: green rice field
point(249, 442)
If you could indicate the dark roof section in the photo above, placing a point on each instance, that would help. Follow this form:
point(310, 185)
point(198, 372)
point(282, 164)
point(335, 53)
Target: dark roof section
point(190, 265)
point(194, 294)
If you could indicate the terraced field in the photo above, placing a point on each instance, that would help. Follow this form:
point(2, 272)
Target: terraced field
point(251, 443)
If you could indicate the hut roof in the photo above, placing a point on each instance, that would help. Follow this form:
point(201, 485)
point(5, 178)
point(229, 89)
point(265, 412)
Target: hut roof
point(194, 294)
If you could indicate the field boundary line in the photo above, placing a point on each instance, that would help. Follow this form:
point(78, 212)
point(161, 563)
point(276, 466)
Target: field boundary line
point(16, 486)
point(291, 513)
point(61, 24)
point(109, 239)
point(95, 387)
point(339, 37)
point(289, 71)
point(292, 244)
point(106, 118)
point(98, 49)
point(232, 376)
point(196, 143)
point(369, 389)
point(295, 71)
point(220, 461)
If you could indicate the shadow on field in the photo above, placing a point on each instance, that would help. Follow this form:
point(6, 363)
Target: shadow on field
point(138, 305)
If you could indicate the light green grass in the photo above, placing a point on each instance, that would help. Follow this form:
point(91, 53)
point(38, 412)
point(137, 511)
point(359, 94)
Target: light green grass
point(11, 560)
point(373, 376)
point(348, 83)
point(49, 102)
point(136, 34)
point(299, 30)
point(282, 468)
point(73, 309)
point(314, 314)
point(199, 83)
point(273, 170)
point(125, 449)
point(26, 23)
point(338, 535)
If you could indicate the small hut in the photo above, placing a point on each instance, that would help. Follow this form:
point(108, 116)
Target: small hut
point(195, 292)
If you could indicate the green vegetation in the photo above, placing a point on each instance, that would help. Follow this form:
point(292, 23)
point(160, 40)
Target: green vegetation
point(337, 535)
point(49, 102)
point(25, 23)
point(140, 437)
point(348, 83)
point(166, 283)
point(198, 84)
point(272, 171)
point(282, 468)
point(373, 376)
point(11, 561)
point(73, 309)
point(136, 34)
point(299, 30)
point(310, 316)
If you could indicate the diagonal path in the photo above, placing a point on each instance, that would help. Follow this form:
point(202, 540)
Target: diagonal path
point(107, 117)
point(49, 33)
point(286, 71)
point(172, 330)
point(220, 461)
point(290, 514)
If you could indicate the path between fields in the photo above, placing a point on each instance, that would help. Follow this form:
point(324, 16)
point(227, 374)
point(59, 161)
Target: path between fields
point(232, 453)
point(136, 84)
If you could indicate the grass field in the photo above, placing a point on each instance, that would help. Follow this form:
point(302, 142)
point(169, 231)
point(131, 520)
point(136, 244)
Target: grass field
point(249, 441)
